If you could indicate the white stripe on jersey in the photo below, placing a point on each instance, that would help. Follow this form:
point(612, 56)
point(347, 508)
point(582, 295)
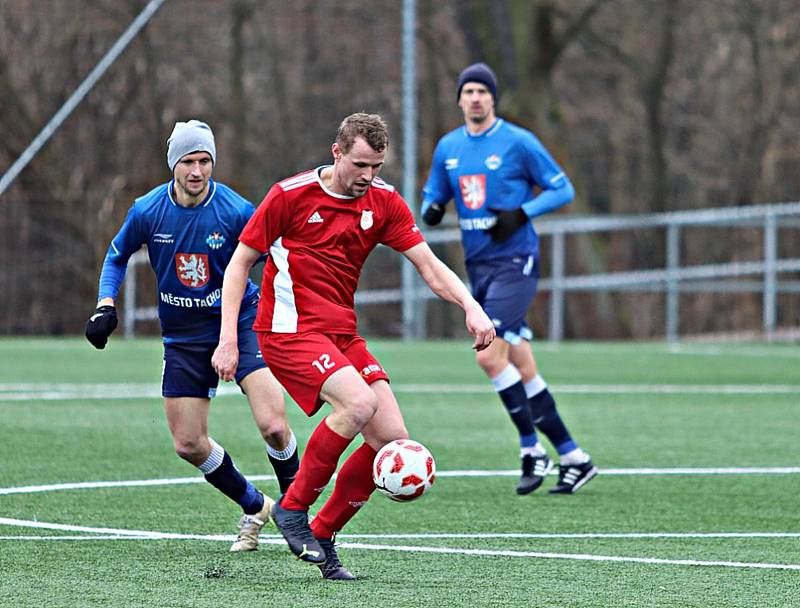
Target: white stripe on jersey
point(558, 177)
point(379, 183)
point(172, 200)
point(495, 128)
point(298, 181)
point(169, 193)
point(284, 315)
point(498, 123)
point(210, 198)
point(526, 270)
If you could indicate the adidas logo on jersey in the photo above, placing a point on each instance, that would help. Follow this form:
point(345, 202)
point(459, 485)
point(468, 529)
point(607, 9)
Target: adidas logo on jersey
point(316, 218)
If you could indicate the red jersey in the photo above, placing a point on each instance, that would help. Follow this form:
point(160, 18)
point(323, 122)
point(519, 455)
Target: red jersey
point(317, 242)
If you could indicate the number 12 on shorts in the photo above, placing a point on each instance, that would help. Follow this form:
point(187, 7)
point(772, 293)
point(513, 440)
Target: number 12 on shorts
point(323, 363)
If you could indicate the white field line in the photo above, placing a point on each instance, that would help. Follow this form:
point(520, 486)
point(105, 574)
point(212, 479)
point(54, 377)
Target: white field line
point(91, 485)
point(27, 391)
point(642, 471)
point(115, 533)
point(693, 349)
point(74, 538)
point(570, 556)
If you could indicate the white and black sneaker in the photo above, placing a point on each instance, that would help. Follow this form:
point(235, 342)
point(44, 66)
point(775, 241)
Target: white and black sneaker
point(572, 477)
point(534, 470)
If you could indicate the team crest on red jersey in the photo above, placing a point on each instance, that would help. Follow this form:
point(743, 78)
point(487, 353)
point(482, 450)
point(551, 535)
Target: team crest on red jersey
point(366, 219)
point(192, 269)
point(473, 190)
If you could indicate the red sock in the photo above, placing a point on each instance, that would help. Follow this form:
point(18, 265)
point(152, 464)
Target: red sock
point(353, 487)
point(320, 457)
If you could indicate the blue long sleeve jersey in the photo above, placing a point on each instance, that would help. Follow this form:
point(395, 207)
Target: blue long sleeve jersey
point(497, 169)
point(189, 249)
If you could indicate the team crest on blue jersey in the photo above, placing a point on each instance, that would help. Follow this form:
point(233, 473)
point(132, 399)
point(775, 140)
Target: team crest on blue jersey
point(473, 190)
point(493, 162)
point(215, 240)
point(192, 269)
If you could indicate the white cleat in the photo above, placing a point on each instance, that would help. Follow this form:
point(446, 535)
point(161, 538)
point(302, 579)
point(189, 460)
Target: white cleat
point(250, 527)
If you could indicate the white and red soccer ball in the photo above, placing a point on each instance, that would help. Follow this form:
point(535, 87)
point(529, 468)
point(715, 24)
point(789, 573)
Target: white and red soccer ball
point(403, 470)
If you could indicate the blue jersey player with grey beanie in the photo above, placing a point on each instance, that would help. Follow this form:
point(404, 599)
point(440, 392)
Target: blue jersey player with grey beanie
point(501, 177)
point(191, 227)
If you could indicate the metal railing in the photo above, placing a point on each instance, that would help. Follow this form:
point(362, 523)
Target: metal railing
point(673, 279)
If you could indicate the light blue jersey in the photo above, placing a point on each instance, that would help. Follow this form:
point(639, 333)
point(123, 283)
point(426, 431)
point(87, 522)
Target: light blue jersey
point(189, 249)
point(497, 169)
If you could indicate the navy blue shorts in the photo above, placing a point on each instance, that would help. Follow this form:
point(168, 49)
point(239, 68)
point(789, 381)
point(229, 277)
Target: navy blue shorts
point(187, 368)
point(505, 289)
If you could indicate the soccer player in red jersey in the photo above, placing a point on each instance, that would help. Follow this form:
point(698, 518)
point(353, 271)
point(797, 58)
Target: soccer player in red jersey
point(318, 228)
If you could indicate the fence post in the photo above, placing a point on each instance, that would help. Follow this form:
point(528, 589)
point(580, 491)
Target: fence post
point(557, 255)
point(672, 312)
point(413, 303)
point(130, 297)
point(770, 273)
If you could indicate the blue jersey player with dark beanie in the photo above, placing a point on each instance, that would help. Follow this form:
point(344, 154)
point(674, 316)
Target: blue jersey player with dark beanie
point(191, 227)
point(492, 168)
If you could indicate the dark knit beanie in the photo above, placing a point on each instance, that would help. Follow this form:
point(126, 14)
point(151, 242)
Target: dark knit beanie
point(478, 72)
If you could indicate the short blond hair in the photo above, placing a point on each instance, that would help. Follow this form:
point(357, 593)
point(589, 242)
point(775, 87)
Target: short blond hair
point(371, 127)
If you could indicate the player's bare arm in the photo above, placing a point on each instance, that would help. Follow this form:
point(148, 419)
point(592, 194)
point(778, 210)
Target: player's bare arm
point(226, 356)
point(446, 284)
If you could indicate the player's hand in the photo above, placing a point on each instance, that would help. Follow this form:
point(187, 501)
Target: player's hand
point(480, 326)
point(508, 222)
point(100, 325)
point(225, 360)
point(433, 214)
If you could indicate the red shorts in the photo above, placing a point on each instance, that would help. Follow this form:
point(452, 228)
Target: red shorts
point(302, 362)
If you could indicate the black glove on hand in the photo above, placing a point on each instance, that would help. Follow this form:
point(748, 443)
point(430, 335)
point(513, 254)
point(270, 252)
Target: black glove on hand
point(433, 214)
point(100, 325)
point(507, 223)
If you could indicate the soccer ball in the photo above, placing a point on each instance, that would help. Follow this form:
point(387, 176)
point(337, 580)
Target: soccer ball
point(403, 470)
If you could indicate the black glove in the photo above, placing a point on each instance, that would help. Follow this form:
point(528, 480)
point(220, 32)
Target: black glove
point(433, 214)
point(507, 223)
point(100, 325)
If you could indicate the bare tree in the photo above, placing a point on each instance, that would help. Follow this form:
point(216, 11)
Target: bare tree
point(647, 105)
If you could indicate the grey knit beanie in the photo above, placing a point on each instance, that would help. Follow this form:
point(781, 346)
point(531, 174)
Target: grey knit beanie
point(188, 137)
